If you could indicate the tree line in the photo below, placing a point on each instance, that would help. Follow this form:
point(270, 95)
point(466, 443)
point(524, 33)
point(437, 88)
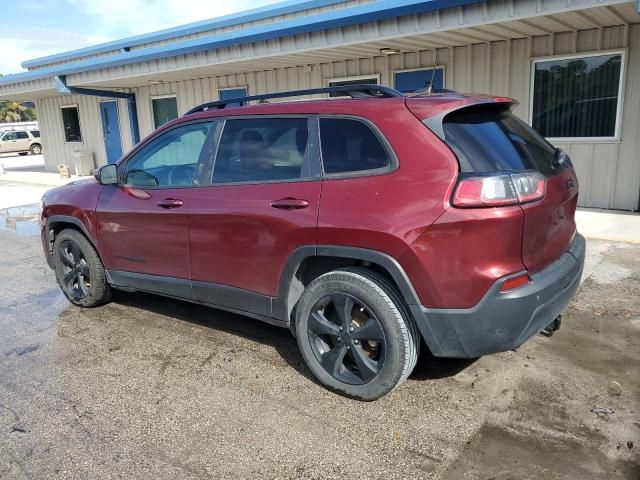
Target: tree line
point(16, 112)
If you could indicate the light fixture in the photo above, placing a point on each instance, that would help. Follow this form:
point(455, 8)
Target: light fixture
point(389, 51)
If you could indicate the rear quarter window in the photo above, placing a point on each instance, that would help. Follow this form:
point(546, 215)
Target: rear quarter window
point(490, 139)
point(350, 146)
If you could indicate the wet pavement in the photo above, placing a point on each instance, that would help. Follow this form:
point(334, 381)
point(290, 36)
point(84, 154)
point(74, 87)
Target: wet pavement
point(147, 387)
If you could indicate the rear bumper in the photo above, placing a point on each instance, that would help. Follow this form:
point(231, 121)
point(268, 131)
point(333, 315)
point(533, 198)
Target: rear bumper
point(503, 321)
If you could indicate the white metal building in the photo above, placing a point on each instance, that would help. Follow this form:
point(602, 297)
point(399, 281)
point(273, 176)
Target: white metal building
point(574, 66)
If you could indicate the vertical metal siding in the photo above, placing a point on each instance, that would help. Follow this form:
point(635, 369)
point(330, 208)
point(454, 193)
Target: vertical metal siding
point(56, 150)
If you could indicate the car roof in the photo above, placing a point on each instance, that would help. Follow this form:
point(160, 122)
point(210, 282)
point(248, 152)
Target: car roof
point(434, 103)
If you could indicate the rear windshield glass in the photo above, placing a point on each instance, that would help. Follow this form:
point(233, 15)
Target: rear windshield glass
point(490, 139)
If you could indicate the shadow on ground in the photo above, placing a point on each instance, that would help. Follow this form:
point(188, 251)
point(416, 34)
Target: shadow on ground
point(427, 368)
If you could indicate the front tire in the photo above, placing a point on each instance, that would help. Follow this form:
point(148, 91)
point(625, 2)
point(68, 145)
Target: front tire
point(355, 333)
point(79, 270)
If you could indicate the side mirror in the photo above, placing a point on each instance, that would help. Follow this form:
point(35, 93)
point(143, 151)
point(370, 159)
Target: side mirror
point(108, 174)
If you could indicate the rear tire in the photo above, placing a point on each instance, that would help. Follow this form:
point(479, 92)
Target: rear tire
point(36, 149)
point(79, 270)
point(355, 333)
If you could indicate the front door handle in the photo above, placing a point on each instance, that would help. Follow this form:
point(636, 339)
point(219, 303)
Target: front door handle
point(290, 204)
point(170, 203)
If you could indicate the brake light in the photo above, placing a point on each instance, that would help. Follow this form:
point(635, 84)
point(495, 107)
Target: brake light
point(499, 190)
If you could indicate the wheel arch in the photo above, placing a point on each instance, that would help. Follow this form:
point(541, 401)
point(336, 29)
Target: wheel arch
point(57, 223)
point(308, 262)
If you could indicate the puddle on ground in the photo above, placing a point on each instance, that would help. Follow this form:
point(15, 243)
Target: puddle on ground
point(22, 220)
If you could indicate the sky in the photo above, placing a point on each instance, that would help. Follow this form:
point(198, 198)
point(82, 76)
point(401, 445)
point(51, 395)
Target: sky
point(36, 28)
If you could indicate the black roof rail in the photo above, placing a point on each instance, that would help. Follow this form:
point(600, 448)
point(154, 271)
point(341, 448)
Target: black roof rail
point(354, 91)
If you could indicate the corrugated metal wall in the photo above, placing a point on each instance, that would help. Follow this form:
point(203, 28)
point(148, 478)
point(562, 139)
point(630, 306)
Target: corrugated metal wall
point(56, 150)
point(609, 172)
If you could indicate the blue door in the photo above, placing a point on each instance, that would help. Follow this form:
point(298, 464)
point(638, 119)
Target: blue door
point(407, 82)
point(111, 130)
point(229, 93)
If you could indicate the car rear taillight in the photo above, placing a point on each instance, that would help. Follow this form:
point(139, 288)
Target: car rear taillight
point(499, 190)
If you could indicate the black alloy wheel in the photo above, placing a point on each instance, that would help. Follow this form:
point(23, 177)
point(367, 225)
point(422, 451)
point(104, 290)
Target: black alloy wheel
point(347, 338)
point(76, 274)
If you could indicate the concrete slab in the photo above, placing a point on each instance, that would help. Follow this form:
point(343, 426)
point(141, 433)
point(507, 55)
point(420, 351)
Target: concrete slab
point(609, 225)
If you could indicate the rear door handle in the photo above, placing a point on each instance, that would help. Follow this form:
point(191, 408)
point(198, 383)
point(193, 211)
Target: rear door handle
point(170, 203)
point(290, 204)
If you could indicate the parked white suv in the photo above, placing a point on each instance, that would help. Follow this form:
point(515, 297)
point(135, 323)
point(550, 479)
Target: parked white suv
point(21, 142)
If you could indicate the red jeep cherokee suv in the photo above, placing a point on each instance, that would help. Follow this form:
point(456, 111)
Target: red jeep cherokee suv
point(363, 224)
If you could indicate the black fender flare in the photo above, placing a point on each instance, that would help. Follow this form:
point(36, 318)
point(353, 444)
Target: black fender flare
point(287, 293)
point(54, 219)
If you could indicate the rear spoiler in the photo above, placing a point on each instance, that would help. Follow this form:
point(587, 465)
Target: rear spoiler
point(434, 121)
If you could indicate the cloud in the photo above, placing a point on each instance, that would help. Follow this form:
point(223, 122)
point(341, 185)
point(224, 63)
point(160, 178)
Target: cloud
point(122, 18)
point(23, 43)
point(132, 17)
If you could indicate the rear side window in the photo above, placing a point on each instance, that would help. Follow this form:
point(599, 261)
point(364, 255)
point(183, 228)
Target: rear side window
point(350, 145)
point(490, 139)
point(35, 133)
point(261, 150)
point(22, 135)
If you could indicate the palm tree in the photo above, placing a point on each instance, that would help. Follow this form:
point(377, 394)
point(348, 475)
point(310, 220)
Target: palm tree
point(11, 112)
point(14, 112)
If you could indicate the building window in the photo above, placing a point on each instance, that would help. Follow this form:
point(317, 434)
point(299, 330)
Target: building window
point(165, 109)
point(577, 97)
point(409, 81)
point(71, 124)
point(342, 82)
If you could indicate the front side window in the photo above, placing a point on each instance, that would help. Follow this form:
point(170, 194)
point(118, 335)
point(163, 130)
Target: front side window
point(171, 159)
point(350, 146)
point(9, 136)
point(165, 109)
point(577, 97)
point(71, 124)
point(261, 150)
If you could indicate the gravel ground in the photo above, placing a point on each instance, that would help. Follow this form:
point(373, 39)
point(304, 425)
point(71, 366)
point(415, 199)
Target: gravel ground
point(147, 387)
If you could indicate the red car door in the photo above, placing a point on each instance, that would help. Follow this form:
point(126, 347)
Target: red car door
point(143, 223)
point(262, 205)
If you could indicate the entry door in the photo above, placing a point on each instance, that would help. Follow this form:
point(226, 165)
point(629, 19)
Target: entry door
point(143, 221)
point(9, 142)
point(410, 81)
point(262, 206)
point(23, 142)
point(228, 93)
point(111, 130)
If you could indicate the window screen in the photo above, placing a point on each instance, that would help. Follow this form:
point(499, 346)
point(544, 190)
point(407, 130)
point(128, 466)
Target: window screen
point(164, 110)
point(350, 146)
point(71, 124)
point(268, 149)
point(577, 97)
